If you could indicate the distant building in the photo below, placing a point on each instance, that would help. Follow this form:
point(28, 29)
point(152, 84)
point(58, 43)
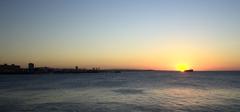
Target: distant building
point(9, 68)
point(76, 68)
point(95, 68)
point(42, 70)
point(31, 67)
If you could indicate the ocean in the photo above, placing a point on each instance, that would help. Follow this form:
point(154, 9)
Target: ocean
point(121, 92)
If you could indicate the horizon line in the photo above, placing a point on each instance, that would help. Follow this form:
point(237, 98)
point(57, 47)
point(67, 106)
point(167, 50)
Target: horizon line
point(130, 69)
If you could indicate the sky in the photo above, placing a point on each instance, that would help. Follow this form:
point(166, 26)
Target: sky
point(138, 34)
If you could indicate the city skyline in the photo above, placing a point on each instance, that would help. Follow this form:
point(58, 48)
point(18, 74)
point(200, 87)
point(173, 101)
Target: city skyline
point(135, 34)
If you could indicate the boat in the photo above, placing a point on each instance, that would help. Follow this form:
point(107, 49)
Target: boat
point(189, 70)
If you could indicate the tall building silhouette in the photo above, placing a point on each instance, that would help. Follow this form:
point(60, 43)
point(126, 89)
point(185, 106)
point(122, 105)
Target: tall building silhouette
point(31, 67)
point(76, 67)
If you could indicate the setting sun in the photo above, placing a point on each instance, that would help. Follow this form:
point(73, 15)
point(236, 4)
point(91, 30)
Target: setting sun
point(182, 67)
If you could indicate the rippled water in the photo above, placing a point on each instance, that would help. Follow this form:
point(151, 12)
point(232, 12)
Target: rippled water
point(121, 92)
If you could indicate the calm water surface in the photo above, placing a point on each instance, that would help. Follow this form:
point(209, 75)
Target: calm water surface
point(121, 92)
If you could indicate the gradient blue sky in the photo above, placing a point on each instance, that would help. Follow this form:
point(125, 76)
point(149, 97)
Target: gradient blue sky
point(148, 34)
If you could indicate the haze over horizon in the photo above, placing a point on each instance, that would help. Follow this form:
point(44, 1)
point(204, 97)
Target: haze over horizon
point(143, 34)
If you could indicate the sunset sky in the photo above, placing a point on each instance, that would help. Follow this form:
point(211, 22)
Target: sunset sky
point(143, 34)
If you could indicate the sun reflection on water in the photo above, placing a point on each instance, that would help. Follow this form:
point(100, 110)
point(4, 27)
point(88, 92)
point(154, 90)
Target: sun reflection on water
point(186, 97)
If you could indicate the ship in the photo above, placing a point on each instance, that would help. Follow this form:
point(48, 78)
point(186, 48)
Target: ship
point(189, 70)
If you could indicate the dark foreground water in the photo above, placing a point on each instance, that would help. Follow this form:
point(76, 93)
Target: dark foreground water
point(123, 92)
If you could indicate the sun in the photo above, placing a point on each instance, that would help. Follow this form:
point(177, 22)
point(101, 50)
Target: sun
point(182, 67)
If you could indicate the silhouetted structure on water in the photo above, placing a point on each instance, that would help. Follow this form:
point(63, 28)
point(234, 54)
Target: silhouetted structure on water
point(189, 70)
